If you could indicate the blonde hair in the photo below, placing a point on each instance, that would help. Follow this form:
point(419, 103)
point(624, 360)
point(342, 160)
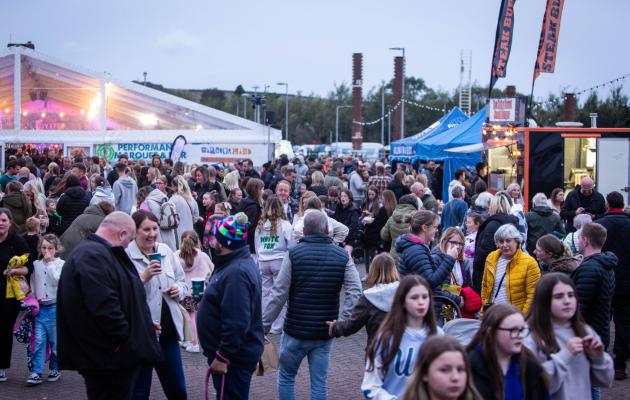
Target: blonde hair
point(500, 204)
point(181, 187)
point(231, 180)
point(317, 178)
point(447, 235)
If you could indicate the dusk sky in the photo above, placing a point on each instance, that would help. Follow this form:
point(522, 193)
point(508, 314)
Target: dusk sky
point(201, 44)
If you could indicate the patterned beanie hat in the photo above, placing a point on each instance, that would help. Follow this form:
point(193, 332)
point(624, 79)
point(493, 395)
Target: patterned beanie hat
point(231, 231)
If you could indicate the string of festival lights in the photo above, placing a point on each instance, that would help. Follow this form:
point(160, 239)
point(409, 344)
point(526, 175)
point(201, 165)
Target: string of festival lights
point(556, 101)
point(391, 110)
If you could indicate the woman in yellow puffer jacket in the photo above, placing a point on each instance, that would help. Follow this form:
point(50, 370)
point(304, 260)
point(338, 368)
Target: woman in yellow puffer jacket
point(510, 275)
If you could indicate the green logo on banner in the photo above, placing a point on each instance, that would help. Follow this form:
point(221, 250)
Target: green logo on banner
point(105, 151)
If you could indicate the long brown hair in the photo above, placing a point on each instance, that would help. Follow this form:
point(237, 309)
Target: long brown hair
point(539, 317)
point(273, 211)
point(435, 346)
point(485, 340)
point(392, 328)
point(189, 248)
point(389, 202)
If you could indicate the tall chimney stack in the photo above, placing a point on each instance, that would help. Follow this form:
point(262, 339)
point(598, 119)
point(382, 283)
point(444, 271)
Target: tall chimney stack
point(357, 100)
point(398, 85)
point(569, 107)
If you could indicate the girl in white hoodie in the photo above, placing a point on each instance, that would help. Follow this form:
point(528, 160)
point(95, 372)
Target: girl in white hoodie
point(569, 350)
point(392, 355)
point(44, 281)
point(272, 239)
point(374, 304)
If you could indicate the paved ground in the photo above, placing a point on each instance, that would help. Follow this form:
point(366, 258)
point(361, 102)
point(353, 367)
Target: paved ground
point(346, 371)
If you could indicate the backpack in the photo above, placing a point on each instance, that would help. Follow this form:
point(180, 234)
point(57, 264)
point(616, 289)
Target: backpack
point(169, 219)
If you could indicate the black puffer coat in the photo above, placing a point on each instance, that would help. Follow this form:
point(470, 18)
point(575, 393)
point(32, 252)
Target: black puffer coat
point(617, 226)
point(595, 283)
point(349, 216)
point(252, 209)
point(71, 204)
point(485, 244)
point(103, 319)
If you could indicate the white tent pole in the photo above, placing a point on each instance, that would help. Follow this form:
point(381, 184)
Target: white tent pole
point(17, 89)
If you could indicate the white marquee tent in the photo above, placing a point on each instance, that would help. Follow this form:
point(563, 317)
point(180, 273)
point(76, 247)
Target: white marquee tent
point(46, 102)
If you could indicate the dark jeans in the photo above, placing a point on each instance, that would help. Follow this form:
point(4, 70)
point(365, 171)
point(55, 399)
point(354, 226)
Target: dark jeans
point(9, 309)
point(369, 256)
point(621, 316)
point(170, 371)
point(110, 384)
point(234, 385)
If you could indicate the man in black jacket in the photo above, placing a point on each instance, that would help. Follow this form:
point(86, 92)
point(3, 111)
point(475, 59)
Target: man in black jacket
point(103, 321)
point(229, 319)
point(595, 279)
point(311, 278)
point(583, 199)
point(617, 224)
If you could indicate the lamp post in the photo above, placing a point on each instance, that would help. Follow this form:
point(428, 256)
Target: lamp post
point(245, 96)
point(402, 101)
point(337, 125)
point(383, 113)
point(286, 109)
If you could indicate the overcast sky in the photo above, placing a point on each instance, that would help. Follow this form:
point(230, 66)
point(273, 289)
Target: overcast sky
point(309, 44)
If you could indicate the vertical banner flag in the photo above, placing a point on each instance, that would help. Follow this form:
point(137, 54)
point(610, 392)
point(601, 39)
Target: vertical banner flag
point(503, 42)
point(177, 148)
point(549, 34)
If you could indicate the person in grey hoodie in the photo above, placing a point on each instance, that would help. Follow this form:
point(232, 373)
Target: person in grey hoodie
point(569, 350)
point(272, 239)
point(374, 304)
point(154, 200)
point(101, 192)
point(357, 185)
point(125, 190)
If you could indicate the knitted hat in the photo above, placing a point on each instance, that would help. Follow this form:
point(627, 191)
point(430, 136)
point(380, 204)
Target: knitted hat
point(231, 231)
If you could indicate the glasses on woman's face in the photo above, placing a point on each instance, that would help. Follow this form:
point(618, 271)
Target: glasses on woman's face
point(505, 241)
point(456, 243)
point(517, 332)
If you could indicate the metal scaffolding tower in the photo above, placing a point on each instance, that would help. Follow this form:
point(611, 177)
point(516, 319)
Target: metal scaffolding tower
point(465, 81)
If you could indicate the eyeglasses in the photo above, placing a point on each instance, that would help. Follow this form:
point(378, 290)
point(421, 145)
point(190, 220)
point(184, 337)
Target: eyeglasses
point(515, 333)
point(455, 243)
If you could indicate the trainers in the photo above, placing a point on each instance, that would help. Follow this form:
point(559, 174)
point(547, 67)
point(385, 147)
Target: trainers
point(33, 379)
point(185, 344)
point(620, 374)
point(53, 375)
point(3, 376)
point(193, 348)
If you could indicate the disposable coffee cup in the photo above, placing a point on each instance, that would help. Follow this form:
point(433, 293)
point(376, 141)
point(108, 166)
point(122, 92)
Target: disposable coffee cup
point(197, 287)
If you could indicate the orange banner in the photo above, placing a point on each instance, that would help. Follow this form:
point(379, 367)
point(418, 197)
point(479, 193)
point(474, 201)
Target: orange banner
point(549, 34)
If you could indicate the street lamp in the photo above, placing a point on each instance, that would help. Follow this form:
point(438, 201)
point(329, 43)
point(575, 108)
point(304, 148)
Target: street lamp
point(286, 109)
point(402, 101)
point(245, 96)
point(337, 124)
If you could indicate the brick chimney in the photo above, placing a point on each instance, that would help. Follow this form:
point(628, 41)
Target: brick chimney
point(570, 105)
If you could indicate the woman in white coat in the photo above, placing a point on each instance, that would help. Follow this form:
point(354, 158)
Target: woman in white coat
point(186, 206)
point(165, 285)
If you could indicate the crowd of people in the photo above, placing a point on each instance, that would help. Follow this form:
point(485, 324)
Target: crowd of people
point(112, 270)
